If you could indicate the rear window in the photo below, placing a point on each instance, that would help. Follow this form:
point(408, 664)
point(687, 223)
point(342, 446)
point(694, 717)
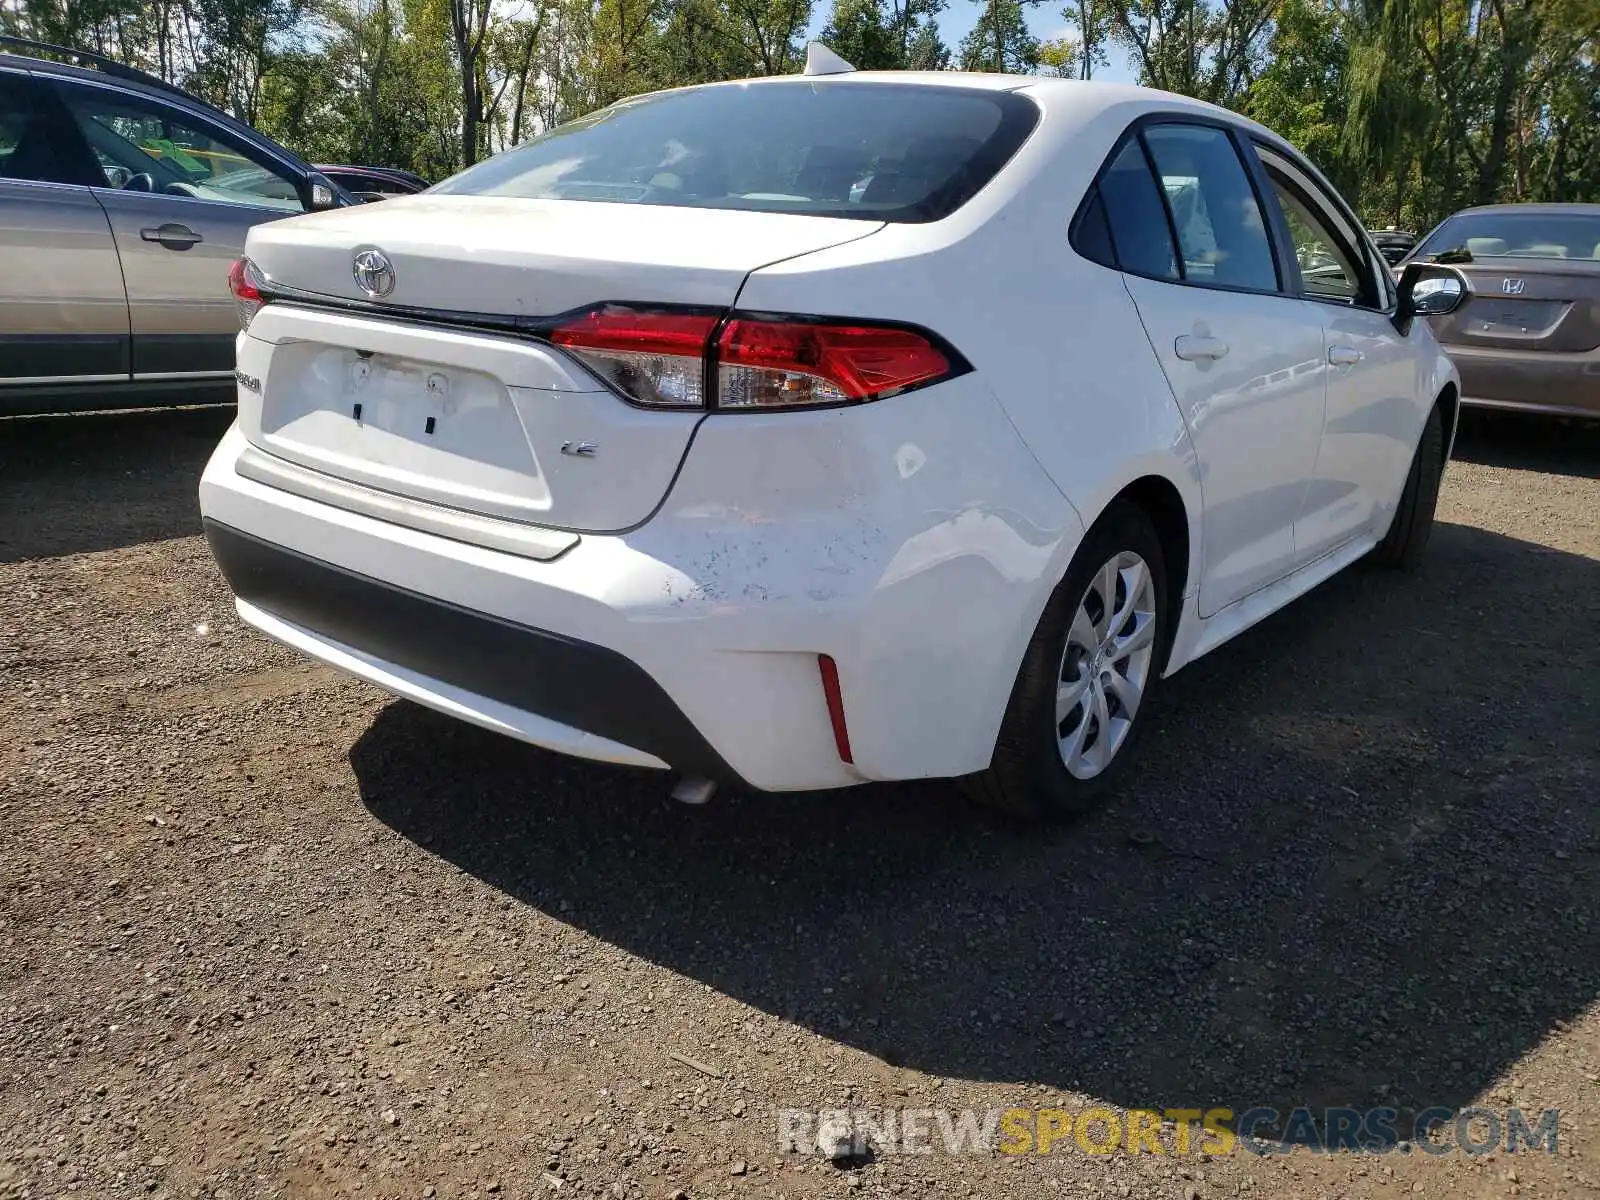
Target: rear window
point(874, 151)
point(1515, 235)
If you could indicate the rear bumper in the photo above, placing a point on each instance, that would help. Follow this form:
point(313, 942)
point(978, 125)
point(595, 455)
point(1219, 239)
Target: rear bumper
point(919, 566)
point(1530, 381)
point(591, 701)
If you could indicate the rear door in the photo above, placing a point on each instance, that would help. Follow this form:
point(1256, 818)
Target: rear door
point(181, 193)
point(63, 312)
point(1243, 357)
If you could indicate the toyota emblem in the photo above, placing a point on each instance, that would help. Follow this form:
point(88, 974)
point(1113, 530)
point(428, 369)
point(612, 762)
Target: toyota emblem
point(374, 273)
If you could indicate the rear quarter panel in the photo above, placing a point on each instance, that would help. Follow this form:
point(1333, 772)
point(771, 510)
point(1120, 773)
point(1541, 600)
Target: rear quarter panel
point(1057, 347)
point(1054, 337)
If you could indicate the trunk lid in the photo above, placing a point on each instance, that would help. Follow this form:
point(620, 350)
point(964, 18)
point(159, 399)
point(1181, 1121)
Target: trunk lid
point(496, 424)
point(1526, 304)
point(537, 258)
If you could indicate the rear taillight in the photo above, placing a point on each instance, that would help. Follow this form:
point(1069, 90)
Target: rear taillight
point(766, 363)
point(653, 358)
point(666, 358)
point(244, 281)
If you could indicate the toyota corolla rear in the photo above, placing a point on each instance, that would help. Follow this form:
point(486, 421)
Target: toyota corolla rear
point(558, 449)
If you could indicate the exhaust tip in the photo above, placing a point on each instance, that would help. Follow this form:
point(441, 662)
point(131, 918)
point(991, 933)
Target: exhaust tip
point(693, 791)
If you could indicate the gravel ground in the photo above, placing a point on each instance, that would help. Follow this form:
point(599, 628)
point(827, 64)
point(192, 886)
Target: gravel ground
point(267, 932)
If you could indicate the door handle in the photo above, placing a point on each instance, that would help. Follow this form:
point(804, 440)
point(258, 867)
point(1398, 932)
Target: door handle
point(1344, 356)
point(1194, 348)
point(172, 235)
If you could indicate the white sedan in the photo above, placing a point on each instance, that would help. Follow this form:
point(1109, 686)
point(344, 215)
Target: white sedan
point(807, 431)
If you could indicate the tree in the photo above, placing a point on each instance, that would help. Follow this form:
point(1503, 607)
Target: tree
point(516, 46)
point(1301, 93)
point(1414, 108)
point(469, 29)
point(860, 32)
point(1059, 57)
point(772, 30)
point(926, 51)
point(1209, 50)
point(1092, 21)
point(1001, 40)
point(873, 37)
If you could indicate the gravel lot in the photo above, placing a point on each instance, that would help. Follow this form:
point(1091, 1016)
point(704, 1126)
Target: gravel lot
point(267, 932)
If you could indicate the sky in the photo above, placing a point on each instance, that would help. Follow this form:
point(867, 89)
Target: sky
point(1044, 20)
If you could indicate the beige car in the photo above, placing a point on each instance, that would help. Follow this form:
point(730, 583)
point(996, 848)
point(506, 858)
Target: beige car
point(123, 201)
point(1528, 337)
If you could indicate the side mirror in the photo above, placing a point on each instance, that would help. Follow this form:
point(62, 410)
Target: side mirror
point(370, 197)
point(323, 194)
point(1429, 290)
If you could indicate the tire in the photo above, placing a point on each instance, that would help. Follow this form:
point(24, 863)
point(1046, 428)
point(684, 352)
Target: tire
point(1402, 546)
point(1029, 774)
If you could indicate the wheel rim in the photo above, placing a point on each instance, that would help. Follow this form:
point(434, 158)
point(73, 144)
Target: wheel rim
point(1105, 667)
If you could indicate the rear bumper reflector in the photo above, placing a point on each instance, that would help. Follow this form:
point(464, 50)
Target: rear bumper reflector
point(830, 689)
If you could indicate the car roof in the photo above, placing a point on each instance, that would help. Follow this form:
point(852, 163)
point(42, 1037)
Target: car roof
point(1090, 91)
point(154, 89)
point(1549, 210)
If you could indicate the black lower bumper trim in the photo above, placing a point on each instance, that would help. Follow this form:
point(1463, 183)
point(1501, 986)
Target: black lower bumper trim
point(579, 684)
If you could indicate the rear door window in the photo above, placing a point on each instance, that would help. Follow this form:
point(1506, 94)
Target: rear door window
point(32, 145)
point(881, 152)
point(1221, 230)
point(1140, 232)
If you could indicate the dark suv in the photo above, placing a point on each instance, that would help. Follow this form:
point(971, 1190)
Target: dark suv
point(123, 201)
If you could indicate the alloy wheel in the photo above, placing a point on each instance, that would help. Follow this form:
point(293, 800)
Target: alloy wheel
point(1105, 667)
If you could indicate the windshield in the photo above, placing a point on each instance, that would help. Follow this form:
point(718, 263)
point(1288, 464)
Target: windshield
point(1516, 235)
point(874, 151)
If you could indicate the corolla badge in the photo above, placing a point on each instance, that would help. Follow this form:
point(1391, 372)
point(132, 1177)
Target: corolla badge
point(374, 273)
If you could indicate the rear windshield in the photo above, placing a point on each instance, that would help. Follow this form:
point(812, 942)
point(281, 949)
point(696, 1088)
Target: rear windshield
point(1515, 235)
point(874, 151)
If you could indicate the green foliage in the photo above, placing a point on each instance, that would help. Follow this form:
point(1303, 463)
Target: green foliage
point(874, 37)
point(1301, 93)
point(1059, 57)
point(859, 31)
point(1413, 107)
point(1000, 40)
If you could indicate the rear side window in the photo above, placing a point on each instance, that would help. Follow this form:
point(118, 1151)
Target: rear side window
point(1222, 233)
point(28, 143)
point(881, 152)
point(1092, 235)
point(1139, 230)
